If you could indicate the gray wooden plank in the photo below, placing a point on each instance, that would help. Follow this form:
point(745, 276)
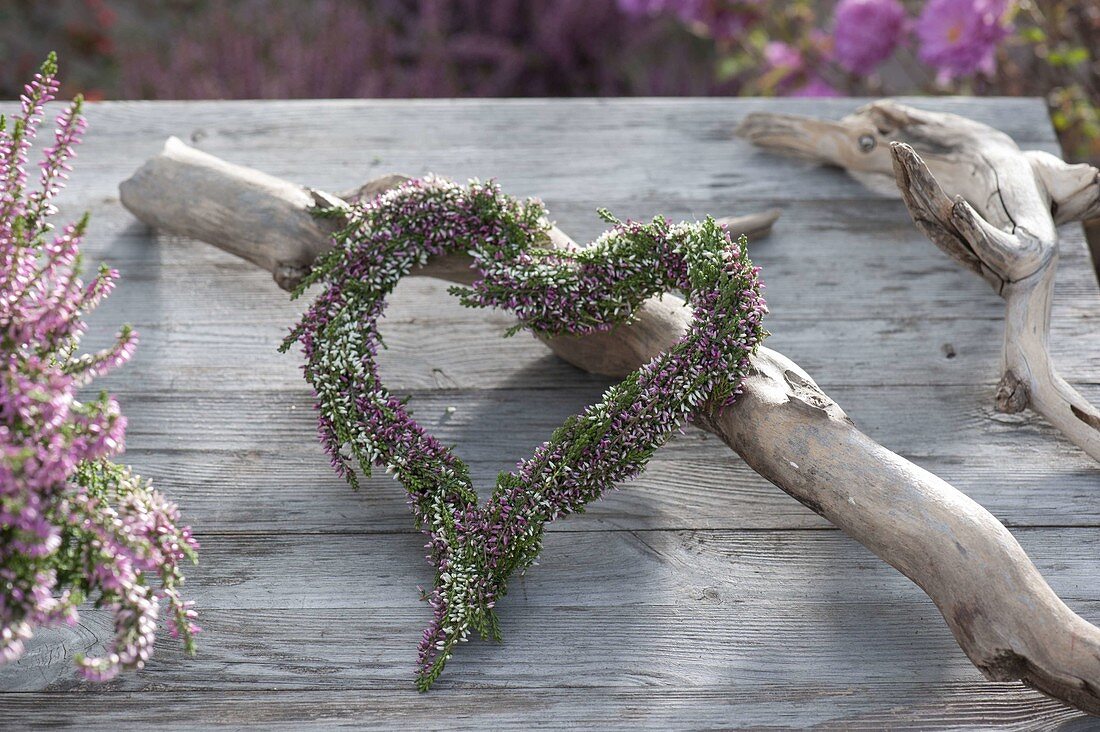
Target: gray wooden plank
point(471, 354)
point(249, 461)
point(880, 264)
point(959, 705)
point(609, 610)
point(193, 340)
point(841, 645)
point(641, 145)
point(609, 569)
point(923, 321)
point(255, 491)
point(245, 121)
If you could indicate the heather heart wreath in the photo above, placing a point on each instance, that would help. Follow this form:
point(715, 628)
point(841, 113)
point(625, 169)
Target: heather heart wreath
point(476, 548)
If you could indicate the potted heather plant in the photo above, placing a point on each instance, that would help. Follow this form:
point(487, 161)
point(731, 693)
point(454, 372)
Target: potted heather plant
point(74, 526)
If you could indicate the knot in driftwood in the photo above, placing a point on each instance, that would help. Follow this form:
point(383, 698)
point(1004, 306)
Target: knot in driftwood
point(1011, 396)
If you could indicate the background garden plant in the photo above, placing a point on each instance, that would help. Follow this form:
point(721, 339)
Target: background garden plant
point(199, 49)
point(428, 48)
point(74, 526)
point(881, 47)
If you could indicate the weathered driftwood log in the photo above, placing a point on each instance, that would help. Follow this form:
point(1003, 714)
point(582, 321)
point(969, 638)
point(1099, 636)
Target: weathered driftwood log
point(1000, 609)
point(1000, 223)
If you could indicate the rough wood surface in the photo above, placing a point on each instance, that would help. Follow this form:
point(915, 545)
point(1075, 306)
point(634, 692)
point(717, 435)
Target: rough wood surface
point(218, 320)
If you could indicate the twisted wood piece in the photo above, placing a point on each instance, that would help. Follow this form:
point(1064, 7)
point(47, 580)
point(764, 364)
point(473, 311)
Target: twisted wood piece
point(999, 221)
point(1000, 609)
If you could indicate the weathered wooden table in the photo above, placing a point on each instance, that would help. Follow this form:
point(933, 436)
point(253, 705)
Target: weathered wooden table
point(684, 599)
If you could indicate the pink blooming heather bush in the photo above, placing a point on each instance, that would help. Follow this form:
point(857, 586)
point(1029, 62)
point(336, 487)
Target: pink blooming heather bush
point(72, 524)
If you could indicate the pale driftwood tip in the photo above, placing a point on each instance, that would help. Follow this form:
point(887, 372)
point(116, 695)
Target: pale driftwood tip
point(760, 126)
point(752, 225)
point(747, 127)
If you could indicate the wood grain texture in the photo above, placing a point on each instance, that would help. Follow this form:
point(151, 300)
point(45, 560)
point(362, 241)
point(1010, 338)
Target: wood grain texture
point(847, 273)
point(639, 602)
point(692, 481)
point(935, 706)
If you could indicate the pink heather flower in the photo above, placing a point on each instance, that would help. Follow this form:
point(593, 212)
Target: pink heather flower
point(718, 18)
point(779, 55)
point(815, 87)
point(866, 32)
point(643, 7)
point(960, 37)
point(722, 19)
point(70, 520)
point(787, 63)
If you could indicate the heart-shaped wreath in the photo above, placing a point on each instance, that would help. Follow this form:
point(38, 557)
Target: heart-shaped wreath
point(476, 548)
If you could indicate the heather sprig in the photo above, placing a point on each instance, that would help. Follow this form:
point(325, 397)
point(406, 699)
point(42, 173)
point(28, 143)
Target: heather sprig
point(73, 526)
point(475, 549)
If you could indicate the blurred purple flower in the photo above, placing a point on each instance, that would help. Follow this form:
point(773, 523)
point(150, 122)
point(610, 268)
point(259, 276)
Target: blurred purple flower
point(644, 7)
point(815, 87)
point(248, 49)
point(785, 66)
point(779, 55)
point(960, 37)
point(866, 32)
point(719, 18)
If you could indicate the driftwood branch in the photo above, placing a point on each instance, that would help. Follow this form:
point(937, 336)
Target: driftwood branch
point(999, 221)
point(1000, 609)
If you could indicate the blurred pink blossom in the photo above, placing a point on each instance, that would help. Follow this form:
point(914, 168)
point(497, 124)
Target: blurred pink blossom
point(960, 37)
point(866, 32)
point(779, 55)
point(719, 18)
point(815, 87)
